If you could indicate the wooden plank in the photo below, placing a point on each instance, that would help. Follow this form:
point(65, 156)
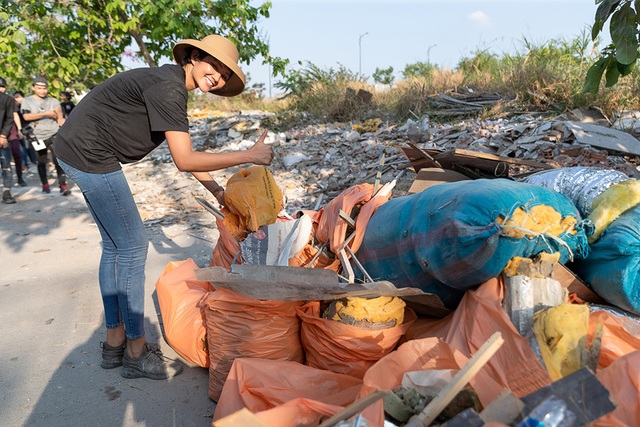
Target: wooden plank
point(281, 283)
point(418, 157)
point(477, 361)
point(356, 407)
point(428, 177)
point(575, 286)
point(466, 165)
point(461, 153)
point(346, 266)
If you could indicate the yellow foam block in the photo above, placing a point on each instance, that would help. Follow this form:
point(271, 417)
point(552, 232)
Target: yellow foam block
point(538, 219)
point(611, 203)
point(561, 333)
point(381, 309)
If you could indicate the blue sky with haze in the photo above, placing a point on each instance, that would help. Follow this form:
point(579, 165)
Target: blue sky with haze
point(401, 32)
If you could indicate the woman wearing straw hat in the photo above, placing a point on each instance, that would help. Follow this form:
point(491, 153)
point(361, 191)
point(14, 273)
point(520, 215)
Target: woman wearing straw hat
point(121, 121)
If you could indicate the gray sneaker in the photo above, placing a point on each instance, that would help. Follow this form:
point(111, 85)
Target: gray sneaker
point(151, 364)
point(112, 356)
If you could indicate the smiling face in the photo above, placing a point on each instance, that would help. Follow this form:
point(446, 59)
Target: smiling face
point(208, 73)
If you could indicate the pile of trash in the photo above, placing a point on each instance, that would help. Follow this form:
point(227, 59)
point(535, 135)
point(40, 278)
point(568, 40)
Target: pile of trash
point(478, 299)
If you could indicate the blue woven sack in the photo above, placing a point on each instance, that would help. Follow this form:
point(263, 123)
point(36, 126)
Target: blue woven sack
point(447, 239)
point(612, 268)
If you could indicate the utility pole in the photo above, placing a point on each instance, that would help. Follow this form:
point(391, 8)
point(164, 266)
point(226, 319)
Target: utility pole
point(360, 53)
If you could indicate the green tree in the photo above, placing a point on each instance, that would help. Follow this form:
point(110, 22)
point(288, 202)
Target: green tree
point(419, 69)
point(383, 76)
point(618, 58)
point(79, 43)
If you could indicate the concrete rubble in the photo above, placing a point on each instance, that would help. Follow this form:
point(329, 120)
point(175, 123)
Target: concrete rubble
point(314, 163)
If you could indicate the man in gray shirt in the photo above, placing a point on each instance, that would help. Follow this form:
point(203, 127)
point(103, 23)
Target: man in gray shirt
point(44, 115)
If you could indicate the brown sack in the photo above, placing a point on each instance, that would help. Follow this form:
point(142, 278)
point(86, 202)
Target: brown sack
point(179, 297)
point(346, 349)
point(239, 326)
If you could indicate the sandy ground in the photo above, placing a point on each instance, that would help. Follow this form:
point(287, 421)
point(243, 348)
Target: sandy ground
point(51, 312)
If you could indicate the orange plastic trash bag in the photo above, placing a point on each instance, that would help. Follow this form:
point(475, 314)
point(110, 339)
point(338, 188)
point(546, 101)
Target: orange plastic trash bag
point(478, 316)
point(254, 196)
point(343, 348)
point(179, 297)
point(298, 413)
point(622, 379)
point(227, 248)
point(618, 338)
point(419, 355)
point(332, 228)
point(239, 326)
point(259, 384)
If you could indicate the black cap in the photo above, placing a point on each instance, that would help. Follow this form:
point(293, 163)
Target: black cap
point(3, 82)
point(40, 80)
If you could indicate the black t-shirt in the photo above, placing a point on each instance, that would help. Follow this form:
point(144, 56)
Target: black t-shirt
point(7, 107)
point(67, 107)
point(123, 119)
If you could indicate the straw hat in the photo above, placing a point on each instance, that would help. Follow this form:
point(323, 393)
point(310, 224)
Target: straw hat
point(224, 51)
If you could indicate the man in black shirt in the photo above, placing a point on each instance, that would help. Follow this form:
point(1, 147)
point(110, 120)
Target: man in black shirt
point(66, 103)
point(7, 108)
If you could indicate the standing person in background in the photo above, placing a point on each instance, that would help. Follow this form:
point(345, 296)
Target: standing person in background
point(14, 139)
point(44, 115)
point(120, 121)
point(28, 153)
point(66, 103)
point(7, 108)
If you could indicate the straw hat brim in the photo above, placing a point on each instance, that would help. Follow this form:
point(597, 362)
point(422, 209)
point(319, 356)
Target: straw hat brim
point(236, 82)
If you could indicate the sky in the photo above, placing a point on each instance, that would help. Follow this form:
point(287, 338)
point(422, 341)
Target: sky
point(363, 35)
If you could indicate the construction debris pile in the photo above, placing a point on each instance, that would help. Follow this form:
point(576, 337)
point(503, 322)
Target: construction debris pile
point(417, 274)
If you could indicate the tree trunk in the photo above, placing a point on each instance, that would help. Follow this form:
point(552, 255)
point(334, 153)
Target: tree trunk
point(137, 36)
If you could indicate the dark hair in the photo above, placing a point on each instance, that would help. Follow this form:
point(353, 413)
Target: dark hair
point(65, 93)
point(18, 92)
point(186, 59)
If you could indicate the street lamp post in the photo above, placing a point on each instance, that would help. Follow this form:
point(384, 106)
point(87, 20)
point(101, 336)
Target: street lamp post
point(429, 53)
point(360, 53)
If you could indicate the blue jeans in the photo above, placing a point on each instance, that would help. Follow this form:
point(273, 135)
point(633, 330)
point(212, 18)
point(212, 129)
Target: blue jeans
point(124, 247)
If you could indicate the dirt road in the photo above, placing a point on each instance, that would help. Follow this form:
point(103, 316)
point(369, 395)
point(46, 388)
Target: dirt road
point(52, 322)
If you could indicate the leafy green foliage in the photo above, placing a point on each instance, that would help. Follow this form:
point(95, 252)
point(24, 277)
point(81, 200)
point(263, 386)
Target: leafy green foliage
point(418, 69)
point(619, 58)
point(383, 76)
point(321, 92)
point(77, 44)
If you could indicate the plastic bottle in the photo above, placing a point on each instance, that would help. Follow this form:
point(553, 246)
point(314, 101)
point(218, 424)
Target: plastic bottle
point(551, 412)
